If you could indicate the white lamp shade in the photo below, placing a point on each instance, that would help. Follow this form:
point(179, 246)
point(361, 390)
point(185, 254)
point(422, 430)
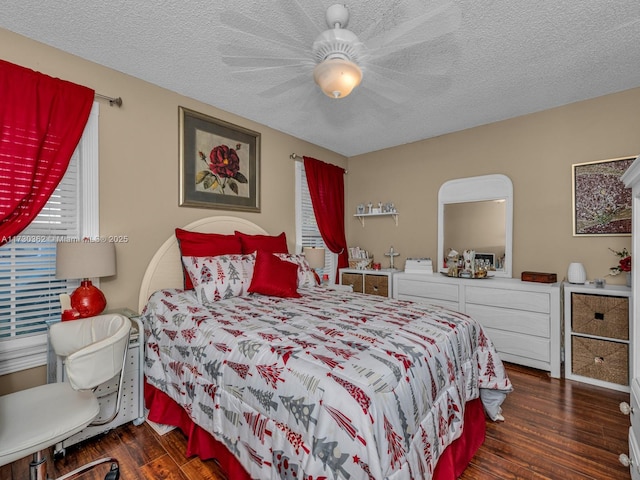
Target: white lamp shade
point(337, 77)
point(314, 256)
point(85, 259)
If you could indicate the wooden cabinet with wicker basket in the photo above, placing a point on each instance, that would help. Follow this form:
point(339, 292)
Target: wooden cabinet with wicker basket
point(597, 335)
point(372, 282)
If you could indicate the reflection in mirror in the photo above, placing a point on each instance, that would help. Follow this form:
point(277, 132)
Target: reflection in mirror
point(476, 213)
point(478, 226)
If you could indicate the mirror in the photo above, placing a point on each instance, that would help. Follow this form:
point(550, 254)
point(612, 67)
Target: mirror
point(476, 213)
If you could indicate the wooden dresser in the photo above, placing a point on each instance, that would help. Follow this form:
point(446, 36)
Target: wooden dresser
point(522, 319)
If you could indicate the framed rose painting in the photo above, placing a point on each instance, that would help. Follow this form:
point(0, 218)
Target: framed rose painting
point(219, 164)
point(601, 202)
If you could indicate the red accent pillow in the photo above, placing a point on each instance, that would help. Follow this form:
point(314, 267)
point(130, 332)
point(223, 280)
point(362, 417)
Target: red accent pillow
point(196, 244)
point(266, 243)
point(275, 277)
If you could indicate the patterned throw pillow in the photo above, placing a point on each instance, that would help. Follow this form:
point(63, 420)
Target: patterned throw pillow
point(197, 244)
point(306, 277)
point(220, 277)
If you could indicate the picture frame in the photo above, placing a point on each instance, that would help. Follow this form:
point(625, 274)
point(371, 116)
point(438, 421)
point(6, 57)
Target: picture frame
point(219, 163)
point(491, 257)
point(601, 202)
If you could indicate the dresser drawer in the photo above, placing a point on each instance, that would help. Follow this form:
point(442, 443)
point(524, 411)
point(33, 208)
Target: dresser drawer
point(507, 298)
point(519, 321)
point(354, 280)
point(600, 315)
point(522, 346)
point(428, 290)
point(376, 285)
point(600, 359)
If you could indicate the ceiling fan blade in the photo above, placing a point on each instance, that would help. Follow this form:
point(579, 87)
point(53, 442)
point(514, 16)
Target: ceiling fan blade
point(311, 24)
point(247, 30)
point(289, 86)
point(243, 56)
point(435, 57)
point(437, 21)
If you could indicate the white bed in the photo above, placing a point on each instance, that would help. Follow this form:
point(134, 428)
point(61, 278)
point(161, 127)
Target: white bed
point(216, 404)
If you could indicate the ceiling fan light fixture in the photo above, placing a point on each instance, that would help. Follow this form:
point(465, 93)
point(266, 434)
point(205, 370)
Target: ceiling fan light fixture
point(337, 77)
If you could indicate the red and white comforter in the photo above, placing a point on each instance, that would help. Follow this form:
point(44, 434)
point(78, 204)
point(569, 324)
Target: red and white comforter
point(331, 385)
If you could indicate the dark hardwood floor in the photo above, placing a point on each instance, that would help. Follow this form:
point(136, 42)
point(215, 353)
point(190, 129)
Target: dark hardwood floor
point(554, 429)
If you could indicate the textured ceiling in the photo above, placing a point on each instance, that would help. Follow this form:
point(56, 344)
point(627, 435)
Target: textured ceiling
point(498, 59)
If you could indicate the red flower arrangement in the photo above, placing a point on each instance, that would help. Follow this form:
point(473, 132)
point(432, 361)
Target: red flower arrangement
point(624, 265)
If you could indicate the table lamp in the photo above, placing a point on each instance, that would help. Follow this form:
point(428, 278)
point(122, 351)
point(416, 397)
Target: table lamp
point(315, 259)
point(86, 260)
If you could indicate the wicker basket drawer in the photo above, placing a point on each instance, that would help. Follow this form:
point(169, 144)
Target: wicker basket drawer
point(376, 285)
point(601, 315)
point(600, 359)
point(354, 280)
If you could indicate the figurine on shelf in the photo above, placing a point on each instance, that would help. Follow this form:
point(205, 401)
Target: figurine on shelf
point(360, 209)
point(370, 207)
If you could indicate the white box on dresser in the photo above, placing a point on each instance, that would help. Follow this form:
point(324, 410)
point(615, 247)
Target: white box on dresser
point(522, 319)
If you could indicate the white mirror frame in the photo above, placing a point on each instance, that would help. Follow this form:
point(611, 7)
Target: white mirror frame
point(474, 189)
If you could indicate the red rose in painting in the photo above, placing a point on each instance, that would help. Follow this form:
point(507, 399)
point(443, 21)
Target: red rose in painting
point(224, 161)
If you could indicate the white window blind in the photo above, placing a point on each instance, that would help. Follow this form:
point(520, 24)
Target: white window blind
point(29, 291)
point(307, 233)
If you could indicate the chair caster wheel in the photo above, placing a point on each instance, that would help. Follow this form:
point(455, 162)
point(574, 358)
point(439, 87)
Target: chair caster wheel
point(114, 473)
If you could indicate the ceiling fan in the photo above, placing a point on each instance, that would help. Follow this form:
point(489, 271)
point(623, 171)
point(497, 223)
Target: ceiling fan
point(403, 48)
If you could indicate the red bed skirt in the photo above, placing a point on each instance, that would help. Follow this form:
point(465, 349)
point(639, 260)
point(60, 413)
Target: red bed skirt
point(162, 409)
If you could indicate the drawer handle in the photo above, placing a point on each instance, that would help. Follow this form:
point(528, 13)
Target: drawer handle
point(598, 316)
point(375, 289)
point(626, 408)
point(625, 460)
point(598, 360)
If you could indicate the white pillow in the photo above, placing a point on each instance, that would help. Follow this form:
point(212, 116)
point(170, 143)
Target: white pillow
point(220, 277)
point(306, 276)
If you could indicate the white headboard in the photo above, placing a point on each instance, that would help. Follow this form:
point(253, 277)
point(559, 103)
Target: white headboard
point(165, 268)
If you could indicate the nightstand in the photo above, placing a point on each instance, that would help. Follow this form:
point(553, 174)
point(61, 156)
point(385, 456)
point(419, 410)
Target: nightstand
point(132, 402)
point(596, 341)
point(372, 282)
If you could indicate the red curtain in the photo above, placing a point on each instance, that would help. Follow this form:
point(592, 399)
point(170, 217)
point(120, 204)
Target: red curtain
point(326, 188)
point(41, 121)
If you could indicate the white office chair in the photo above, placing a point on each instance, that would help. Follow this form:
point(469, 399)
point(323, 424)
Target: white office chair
point(35, 419)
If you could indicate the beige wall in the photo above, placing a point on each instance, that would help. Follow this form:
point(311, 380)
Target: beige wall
point(139, 167)
point(139, 175)
point(536, 151)
point(139, 162)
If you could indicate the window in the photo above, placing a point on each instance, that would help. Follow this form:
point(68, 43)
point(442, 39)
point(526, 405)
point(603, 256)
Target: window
point(307, 233)
point(29, 291)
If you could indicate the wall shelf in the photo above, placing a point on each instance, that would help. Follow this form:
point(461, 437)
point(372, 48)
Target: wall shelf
point(361, 216)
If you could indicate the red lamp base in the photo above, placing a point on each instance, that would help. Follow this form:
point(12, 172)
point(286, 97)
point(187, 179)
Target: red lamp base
point(88, 300)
